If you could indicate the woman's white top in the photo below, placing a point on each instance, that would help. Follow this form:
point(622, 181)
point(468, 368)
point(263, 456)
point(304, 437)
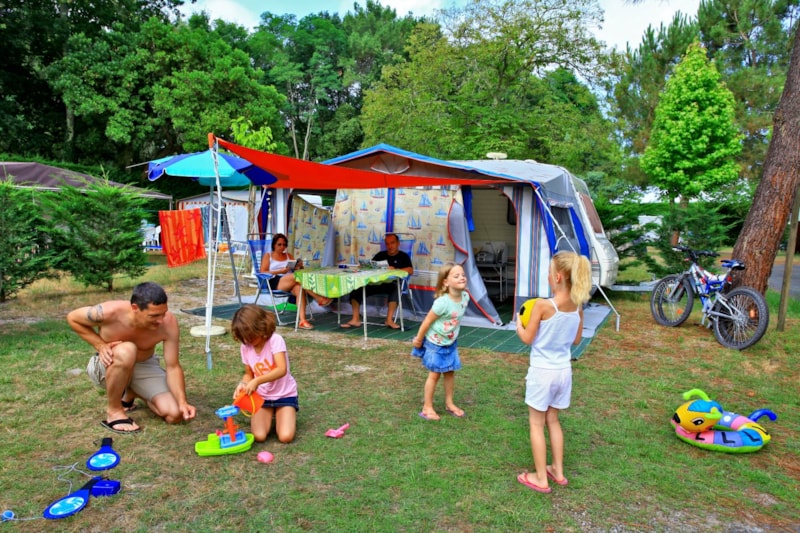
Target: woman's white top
point(275, 265)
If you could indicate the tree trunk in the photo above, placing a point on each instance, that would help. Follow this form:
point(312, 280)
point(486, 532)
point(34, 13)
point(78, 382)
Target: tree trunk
point(763, 228)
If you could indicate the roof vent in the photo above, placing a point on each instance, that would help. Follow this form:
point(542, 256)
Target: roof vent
point(496, 155)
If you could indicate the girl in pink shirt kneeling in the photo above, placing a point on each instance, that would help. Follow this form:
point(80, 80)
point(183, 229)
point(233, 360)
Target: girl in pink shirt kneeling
point(266, 371)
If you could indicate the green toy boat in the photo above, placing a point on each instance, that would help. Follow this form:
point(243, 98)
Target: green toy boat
point(212, 446)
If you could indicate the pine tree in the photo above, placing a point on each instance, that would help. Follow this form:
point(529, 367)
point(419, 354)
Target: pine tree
point(694, 140)
point(96, 232)
point(24, 253)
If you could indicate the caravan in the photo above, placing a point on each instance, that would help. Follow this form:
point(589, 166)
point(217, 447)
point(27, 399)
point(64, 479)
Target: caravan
point(570, 206)
point(504, 233)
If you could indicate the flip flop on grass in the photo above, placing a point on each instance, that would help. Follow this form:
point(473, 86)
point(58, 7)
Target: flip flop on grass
point(523, 479)
point(552, 478)
point(112, 426)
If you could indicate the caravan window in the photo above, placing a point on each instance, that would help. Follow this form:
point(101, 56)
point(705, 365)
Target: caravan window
point(562, 216)
point(594, 218)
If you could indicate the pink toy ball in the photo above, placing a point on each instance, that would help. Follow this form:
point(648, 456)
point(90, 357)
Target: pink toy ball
point(265, 457)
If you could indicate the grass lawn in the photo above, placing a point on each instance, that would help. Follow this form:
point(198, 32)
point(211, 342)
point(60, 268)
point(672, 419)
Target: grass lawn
point(394, 471)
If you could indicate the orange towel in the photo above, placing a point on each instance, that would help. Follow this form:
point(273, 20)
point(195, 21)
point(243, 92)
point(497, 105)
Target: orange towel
point(182, 236)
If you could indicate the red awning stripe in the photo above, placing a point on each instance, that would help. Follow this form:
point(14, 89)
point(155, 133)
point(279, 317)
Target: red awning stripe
point(299, 174)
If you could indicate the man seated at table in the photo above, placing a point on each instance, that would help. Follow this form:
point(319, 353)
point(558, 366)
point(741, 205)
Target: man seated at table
point(396, 259)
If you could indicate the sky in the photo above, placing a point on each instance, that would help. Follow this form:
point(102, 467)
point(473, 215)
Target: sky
point(624, 23)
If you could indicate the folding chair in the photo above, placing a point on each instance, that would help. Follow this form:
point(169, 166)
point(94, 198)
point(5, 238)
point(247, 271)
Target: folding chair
point(259, 247)
point(407, 246)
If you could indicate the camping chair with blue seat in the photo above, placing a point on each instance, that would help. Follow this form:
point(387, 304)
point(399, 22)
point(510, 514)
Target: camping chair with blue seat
point(259, 247)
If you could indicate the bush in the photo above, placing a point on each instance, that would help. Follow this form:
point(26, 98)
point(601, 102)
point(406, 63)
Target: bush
point(25, 255)
point(96, 233)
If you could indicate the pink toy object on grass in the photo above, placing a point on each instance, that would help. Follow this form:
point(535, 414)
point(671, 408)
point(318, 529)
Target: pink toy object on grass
point(265, 457)
point(337, 433)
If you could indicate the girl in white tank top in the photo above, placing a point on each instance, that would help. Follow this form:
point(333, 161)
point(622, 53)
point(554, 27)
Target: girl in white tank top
point(555, 324)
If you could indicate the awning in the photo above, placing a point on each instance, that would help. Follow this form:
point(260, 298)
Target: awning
point(294, 173)
point(49, 178)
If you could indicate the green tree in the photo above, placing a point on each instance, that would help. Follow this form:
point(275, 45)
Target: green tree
point(758, 242)
point(323, 64)
point(764, 225)
point(26, 255)
point(411, 107)
point(694, 139)
point(160, 90)
point(376, 37)
point(496, 77)
point(750, 42)
point(640, 78)
point(34, 36)
point(96, 233)
point(243, 134)
point(303, 61)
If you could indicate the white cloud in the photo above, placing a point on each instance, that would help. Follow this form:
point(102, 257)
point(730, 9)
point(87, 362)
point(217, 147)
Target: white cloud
point(228, 10)
point(625, 23)
point(417, 7)
point(247, 13)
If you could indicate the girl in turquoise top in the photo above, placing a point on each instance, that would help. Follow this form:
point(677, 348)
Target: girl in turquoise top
point(435, 342)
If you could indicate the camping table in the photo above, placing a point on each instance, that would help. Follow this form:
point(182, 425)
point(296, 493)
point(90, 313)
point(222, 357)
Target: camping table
point(339, 282)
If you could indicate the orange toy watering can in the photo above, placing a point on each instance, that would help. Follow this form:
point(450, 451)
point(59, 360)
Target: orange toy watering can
point(249, 403)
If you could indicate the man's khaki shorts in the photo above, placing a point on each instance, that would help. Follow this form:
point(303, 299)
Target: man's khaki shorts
point(97, 372)
point(148, 379)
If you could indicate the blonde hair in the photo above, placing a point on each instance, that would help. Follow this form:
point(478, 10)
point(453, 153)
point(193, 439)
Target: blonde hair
point(251, 322)
point(443, 273)
point(576, 271)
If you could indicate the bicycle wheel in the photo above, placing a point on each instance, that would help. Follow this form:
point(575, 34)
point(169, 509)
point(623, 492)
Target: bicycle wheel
point(742, 319)
point(672, 300)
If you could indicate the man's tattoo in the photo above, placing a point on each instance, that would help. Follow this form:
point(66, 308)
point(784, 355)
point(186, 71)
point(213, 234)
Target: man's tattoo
point(95, 314)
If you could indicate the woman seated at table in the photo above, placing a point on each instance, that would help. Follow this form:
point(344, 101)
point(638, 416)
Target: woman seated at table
point(277, 264)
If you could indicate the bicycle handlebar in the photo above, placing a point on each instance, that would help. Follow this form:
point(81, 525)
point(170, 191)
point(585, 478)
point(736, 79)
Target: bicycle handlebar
point(694, 254)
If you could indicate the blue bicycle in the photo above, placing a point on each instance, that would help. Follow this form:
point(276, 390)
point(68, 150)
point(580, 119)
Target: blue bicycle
point(739, 316)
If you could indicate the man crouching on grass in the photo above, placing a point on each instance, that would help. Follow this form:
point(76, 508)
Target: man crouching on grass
point(124, 336)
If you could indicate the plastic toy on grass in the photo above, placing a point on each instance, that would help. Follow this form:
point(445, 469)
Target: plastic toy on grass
point(71, 503)
point(225, 442)
point(265, 457)
point(105, 458)
point(703, 423)
point(337, 433)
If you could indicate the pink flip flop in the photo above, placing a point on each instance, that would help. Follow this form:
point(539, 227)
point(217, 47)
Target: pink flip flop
point(537, 488)
point(564, 482)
